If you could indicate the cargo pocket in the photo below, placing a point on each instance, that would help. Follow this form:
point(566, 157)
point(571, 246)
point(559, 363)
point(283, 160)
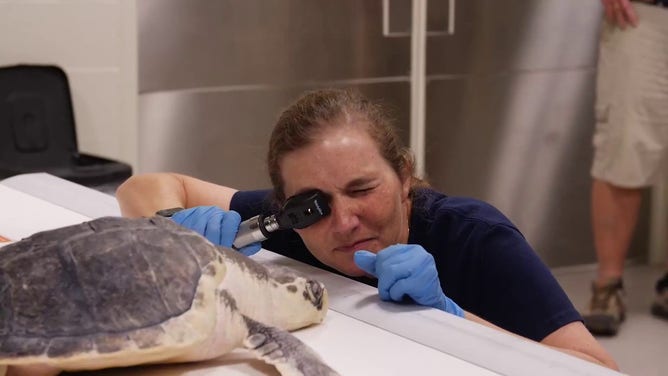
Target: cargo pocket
point(652, 119)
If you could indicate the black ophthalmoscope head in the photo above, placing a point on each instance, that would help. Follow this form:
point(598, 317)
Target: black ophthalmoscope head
point(299, 211)
point(303, 210)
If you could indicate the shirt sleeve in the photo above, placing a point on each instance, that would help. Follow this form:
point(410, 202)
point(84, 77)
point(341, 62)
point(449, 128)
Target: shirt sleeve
point(251, 203)
point(518, 291)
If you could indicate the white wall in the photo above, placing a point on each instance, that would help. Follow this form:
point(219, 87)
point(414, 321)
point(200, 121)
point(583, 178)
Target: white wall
point(95, 42)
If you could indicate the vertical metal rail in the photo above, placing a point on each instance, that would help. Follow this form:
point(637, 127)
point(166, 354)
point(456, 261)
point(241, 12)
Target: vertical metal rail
point(418, 83)
point(418, 77)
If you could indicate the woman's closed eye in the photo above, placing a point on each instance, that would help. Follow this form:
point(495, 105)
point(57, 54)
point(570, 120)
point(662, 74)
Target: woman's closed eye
point(361, 191)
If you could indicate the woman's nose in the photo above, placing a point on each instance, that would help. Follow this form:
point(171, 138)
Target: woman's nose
point(345, 216)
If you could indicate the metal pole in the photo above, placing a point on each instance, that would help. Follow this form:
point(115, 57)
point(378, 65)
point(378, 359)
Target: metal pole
point(418, 83)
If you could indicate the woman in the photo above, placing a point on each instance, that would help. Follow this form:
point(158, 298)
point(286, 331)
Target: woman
point(386, 226)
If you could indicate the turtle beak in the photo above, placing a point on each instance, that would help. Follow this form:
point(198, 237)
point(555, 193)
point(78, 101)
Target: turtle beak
point(315, 292)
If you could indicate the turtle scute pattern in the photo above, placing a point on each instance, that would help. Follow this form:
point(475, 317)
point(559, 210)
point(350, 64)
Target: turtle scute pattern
point(115, 292)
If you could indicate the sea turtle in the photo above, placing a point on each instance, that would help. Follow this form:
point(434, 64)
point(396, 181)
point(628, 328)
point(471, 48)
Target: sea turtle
point(115, 292)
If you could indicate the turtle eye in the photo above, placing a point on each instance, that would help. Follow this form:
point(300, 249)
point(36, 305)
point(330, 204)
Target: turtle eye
point(314, 292)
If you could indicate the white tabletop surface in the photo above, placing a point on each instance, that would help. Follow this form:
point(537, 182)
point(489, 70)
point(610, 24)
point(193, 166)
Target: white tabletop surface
point(361, 335)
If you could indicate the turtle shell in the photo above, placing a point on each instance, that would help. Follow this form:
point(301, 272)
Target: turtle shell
point(114, 287)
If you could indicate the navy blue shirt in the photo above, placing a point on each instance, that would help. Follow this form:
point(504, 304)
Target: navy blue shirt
point(484, 263)
point(654, 2)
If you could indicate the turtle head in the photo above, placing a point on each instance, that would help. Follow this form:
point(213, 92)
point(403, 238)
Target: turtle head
point(274, 294)
point(302, 301)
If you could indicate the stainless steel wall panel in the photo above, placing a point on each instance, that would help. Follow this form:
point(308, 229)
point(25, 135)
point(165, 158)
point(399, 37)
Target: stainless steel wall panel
point(399, 15)
point(222, 136)
point(516, 35)
point(203, 43)
point(523, 143)
point(509, 95)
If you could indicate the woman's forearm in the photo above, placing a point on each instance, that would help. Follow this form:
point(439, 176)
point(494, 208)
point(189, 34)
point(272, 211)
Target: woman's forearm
point(143, 195)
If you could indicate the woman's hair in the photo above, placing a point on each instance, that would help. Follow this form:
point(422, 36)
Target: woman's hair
point(318, 110)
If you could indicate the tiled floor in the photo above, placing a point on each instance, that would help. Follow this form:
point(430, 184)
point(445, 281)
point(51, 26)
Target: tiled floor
point(641, 346)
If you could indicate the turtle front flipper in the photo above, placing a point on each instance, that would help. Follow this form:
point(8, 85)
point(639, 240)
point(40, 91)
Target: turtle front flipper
point(287, 353)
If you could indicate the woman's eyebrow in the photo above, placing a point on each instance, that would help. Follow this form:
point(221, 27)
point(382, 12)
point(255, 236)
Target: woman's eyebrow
point(303, 190)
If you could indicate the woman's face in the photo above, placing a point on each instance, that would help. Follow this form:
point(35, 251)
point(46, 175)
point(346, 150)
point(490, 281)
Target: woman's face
point(369, 201)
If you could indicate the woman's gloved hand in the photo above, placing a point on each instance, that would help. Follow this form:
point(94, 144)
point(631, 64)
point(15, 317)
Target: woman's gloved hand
point(407, 270)
point(219, 226)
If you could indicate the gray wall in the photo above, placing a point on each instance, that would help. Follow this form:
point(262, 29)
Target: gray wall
point(509, 95)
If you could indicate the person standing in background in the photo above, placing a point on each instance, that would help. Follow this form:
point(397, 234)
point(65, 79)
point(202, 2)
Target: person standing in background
point(630, 146)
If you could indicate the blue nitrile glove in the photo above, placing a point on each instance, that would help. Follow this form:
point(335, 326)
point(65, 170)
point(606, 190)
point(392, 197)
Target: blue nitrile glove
point(407, 270)
point(217, 225)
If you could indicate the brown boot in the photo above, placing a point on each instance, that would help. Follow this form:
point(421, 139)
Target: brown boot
point(660, 305)
point(606, 308)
